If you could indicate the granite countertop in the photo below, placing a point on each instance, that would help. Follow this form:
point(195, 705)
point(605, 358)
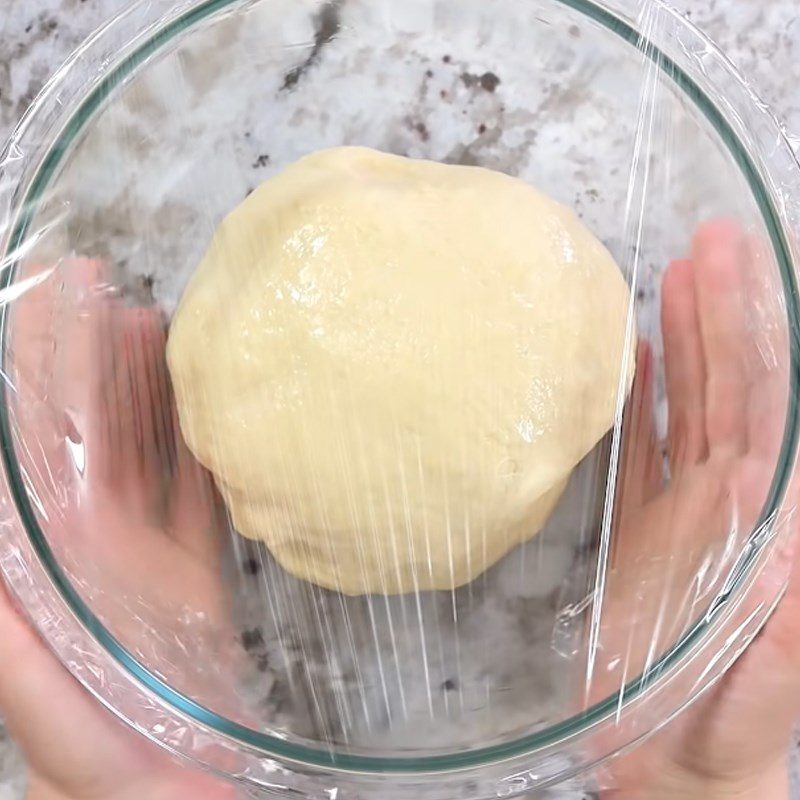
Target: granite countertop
point(763, 41)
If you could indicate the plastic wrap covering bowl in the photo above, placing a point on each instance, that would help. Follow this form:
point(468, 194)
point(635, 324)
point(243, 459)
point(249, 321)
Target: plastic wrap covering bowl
point(666, 553)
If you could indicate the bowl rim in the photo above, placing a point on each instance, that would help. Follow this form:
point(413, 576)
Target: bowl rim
point(660, 670)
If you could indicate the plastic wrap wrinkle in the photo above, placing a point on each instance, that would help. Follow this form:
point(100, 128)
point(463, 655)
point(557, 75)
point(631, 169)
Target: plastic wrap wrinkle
point(633, 226)
point(578, 644)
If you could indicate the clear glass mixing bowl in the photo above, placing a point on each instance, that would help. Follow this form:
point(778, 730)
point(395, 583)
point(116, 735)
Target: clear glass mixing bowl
point(583, 640)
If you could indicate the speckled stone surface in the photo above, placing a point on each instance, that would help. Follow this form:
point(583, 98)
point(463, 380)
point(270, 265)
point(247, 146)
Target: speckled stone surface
point(762, 39)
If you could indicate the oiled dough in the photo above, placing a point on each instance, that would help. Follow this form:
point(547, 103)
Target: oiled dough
point(392, 366)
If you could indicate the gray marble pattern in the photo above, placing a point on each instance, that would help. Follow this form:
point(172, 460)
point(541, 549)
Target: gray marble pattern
point(763, 40)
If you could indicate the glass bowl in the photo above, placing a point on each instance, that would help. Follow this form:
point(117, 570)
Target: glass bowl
point(579, 643)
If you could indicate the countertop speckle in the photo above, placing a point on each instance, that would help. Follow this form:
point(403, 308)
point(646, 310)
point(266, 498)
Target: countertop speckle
point(763, 40)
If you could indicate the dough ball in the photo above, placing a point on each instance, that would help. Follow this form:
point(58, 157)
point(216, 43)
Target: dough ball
point(392, 366)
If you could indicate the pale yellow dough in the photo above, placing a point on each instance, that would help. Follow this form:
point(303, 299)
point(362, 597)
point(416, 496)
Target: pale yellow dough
point(392, 366)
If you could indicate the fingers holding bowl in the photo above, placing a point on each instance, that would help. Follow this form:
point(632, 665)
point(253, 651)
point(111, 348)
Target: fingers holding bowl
point(641, 470)
point(768, 355)
point(684, 366)
point(53, 373)
point(725, 348)
point(718, 271)
point(160, 476)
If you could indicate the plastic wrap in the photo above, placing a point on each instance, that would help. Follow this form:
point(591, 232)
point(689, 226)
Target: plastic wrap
point(666, 553)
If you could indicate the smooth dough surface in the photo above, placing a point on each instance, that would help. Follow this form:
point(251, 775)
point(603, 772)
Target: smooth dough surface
point(392, 366)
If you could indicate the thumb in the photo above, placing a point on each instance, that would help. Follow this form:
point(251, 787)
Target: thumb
point(764, 684)
point(31, 681)
point(777, 649)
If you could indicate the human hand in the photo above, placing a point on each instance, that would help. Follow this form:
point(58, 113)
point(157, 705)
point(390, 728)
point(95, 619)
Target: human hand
point(114, 513)
point(718, 468)
point(726, 360)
